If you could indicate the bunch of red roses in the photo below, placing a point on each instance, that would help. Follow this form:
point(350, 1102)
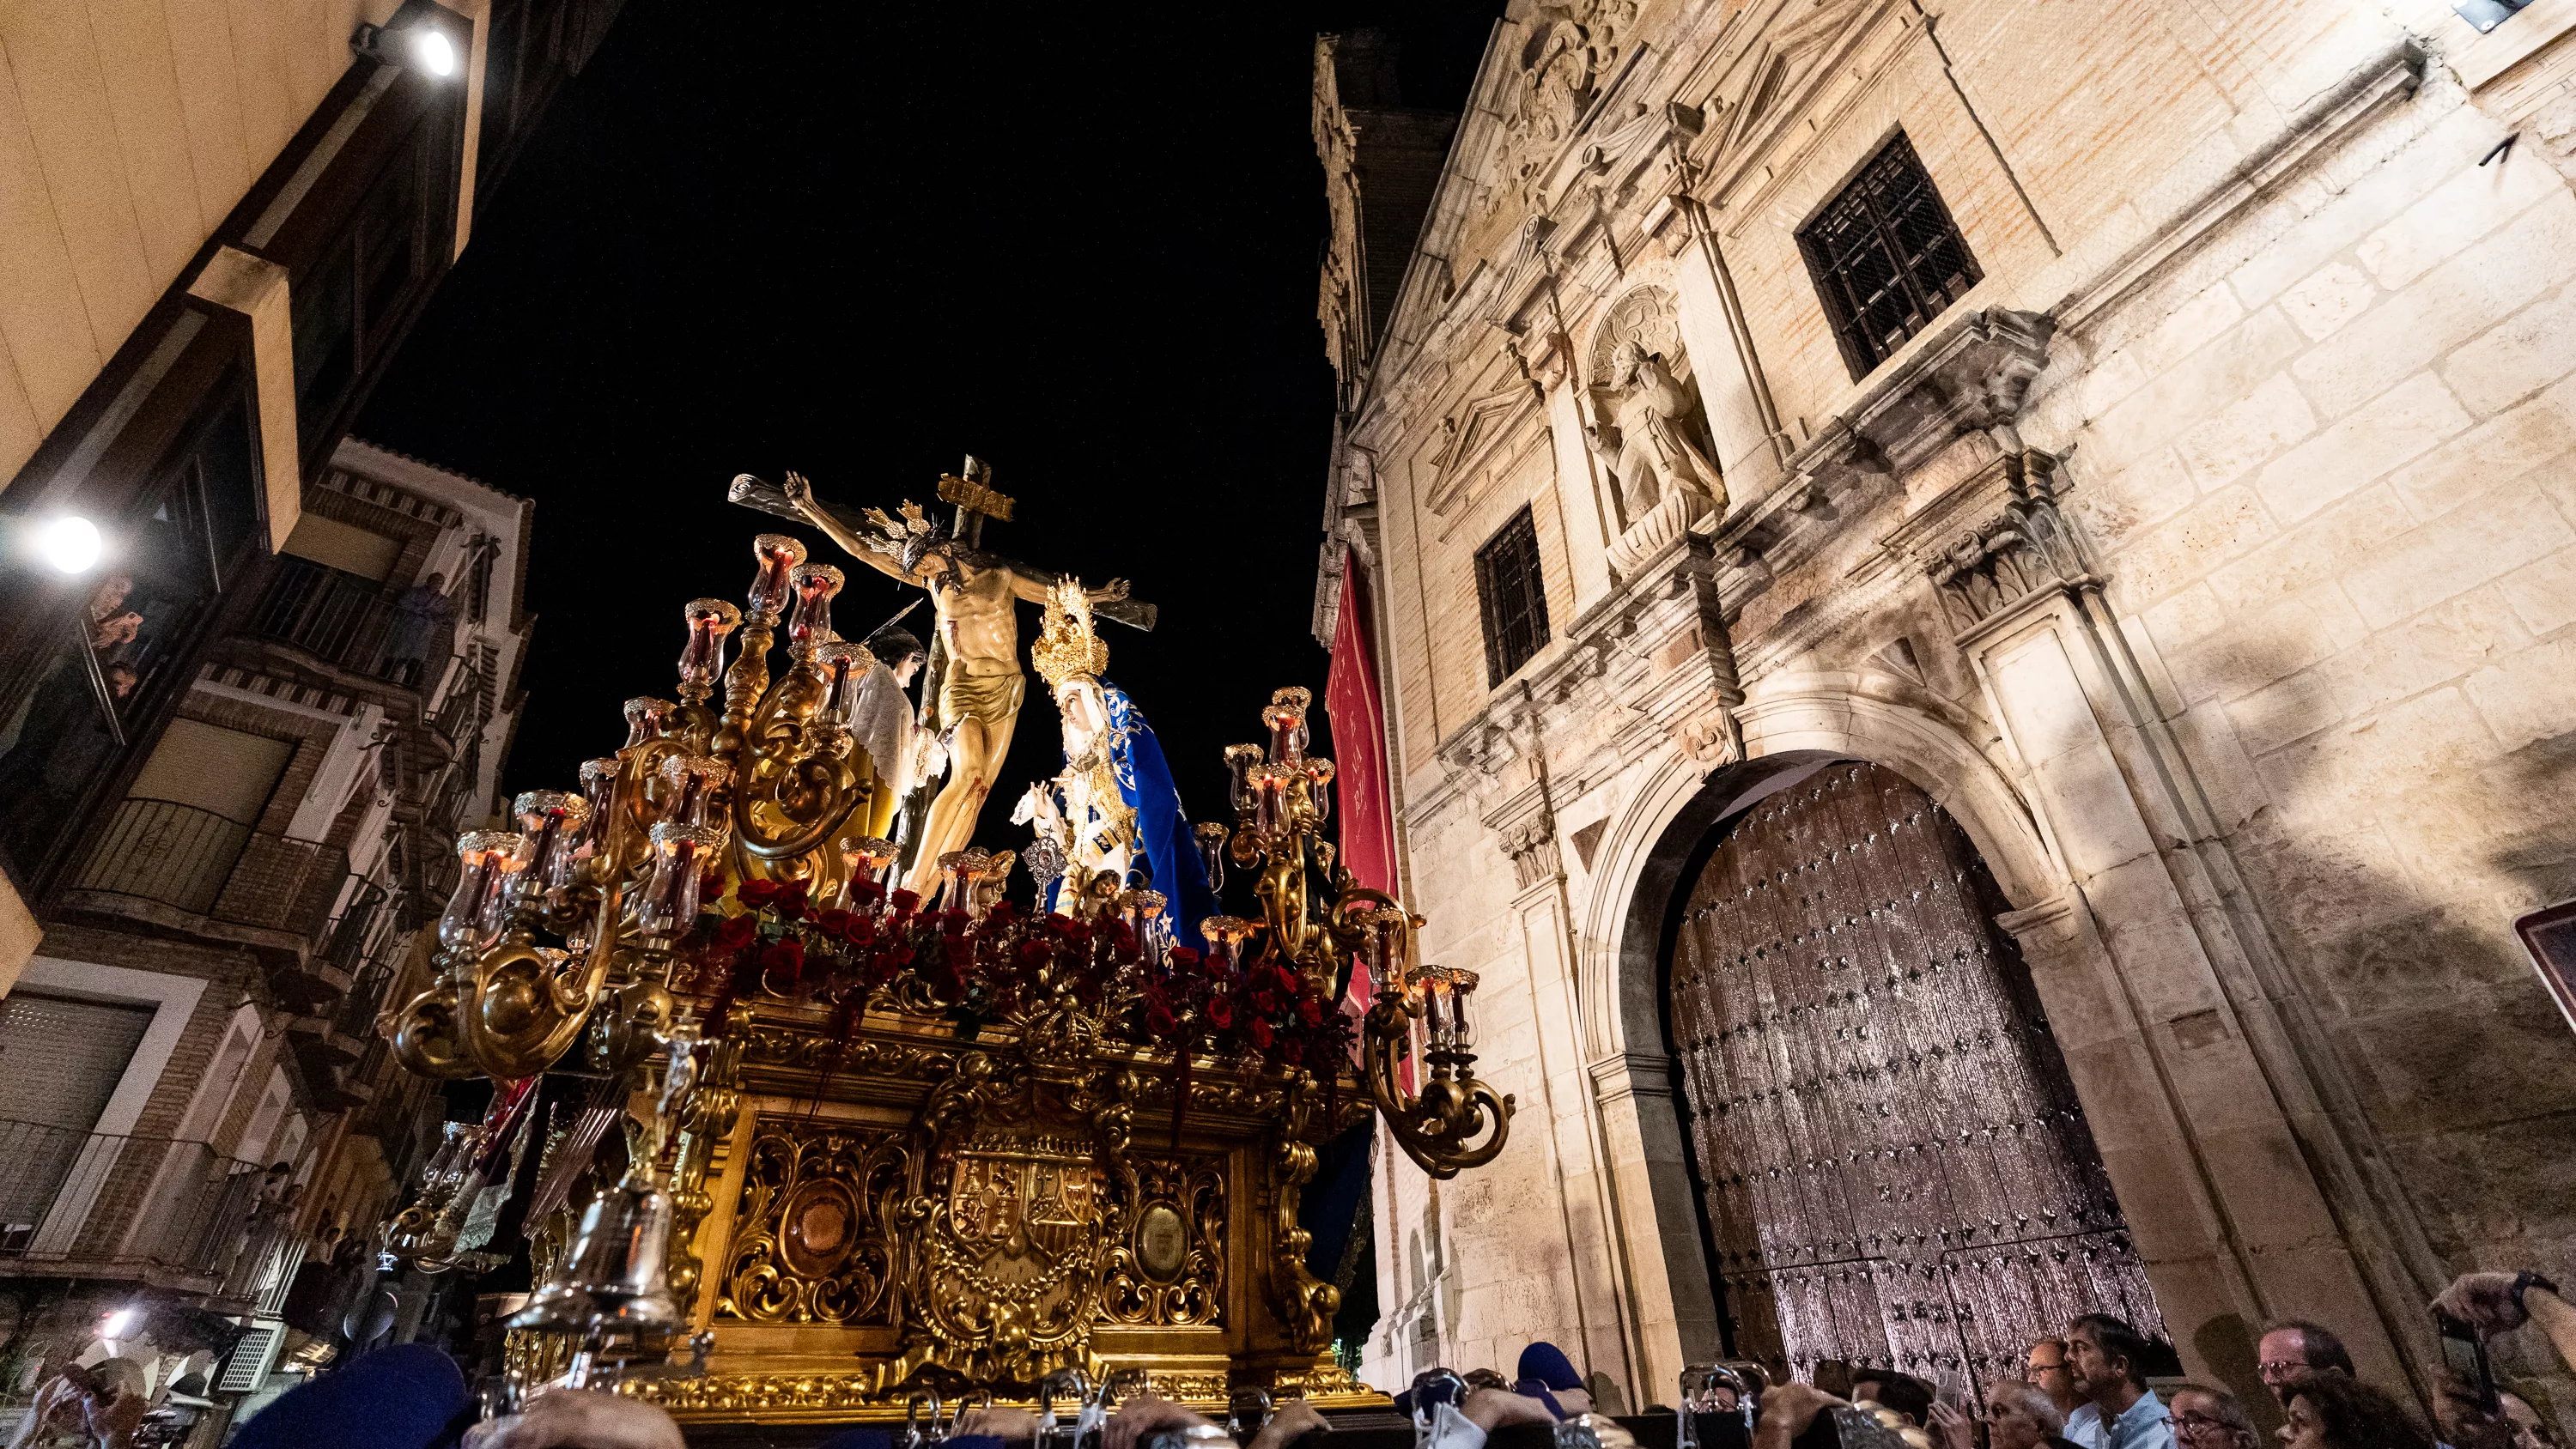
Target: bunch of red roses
point(1257, 1009)
point(1003, 965)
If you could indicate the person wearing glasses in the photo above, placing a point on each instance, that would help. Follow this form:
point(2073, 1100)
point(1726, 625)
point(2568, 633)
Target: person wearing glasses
point(2046, 1370)
point(2205, 1418)
point(2017, 1416)
point(2294, 1351)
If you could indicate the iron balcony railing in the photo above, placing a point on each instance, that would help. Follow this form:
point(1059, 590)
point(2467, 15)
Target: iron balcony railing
point(350, 621)
point(108, 1202)
point(205, 864)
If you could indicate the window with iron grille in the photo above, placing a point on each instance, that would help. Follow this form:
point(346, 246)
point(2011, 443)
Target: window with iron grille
point(1886, 256)
point(1513, 597)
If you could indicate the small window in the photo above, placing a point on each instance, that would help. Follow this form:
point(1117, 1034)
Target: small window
point(1513, 597)
point(1886, 257)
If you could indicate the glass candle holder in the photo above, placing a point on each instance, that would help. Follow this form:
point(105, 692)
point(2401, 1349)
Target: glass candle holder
point(702, 658)
point(646, 717)
point(485, 859)
point(1438, 1010)
point(599, 793)
point(1225, 937)
point(1462, 1021)
point(1381, 931)
point(1319, 787)
point(842, 664)
point(1239, 763)
point(1270, 797)
point(815, 585)
point(963, 869)
point(1286, 718)
point(552, 821)
point(864, 858)
point(1211, 837)
point(1145, 918)
point(680, 856)
point(778, 555)
point(693, 781)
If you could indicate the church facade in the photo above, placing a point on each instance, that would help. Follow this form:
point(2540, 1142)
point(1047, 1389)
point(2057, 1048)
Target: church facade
point(1976, 611)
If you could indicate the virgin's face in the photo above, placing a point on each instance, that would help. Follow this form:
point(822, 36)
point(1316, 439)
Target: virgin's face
point(1086, 713)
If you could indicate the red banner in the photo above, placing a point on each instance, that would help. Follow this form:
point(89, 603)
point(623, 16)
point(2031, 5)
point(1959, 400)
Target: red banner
point(1352, 701)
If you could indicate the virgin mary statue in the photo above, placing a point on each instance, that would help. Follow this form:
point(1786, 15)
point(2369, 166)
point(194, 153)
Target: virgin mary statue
point(1115, 799)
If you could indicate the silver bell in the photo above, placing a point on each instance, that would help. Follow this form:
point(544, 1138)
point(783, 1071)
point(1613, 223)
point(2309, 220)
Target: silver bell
point(614, 1276)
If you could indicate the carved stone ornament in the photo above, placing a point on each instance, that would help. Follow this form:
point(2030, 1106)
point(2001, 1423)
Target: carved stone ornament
point(1650, 434)
point(1533, 849)
point(2022, 550)
point(1569, 53)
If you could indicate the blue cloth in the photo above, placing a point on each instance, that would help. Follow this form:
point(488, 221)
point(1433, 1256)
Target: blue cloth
point(409, 1396)
point(2142, 1427)
point(1162, 830)
point(1548, 1364)
point(1538, 1389)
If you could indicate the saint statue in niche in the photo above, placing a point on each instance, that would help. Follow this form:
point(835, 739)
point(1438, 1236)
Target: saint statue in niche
point(1646, 444)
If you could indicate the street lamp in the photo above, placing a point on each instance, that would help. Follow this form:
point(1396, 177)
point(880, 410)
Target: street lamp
point(423, 47)
point(68, 544)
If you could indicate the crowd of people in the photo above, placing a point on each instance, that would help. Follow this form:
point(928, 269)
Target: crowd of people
point(2087, 1388)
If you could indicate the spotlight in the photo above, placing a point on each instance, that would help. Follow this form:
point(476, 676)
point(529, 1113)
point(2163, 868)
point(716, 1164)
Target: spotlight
point(423, 47)
point(118, 1324)
point(70, 544)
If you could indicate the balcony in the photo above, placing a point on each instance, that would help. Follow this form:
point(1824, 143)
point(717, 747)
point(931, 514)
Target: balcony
point(95, 1205)
point(348, 623)
point(190, 871)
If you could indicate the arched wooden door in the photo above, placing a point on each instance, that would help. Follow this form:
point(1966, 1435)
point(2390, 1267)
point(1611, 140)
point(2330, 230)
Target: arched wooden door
point(1895, 1166)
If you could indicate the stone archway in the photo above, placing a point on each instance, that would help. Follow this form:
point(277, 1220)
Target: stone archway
point(1893, 1166)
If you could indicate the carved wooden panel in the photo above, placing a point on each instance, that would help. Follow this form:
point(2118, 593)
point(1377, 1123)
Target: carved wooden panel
point(812, 1244)
point(1895, 1165)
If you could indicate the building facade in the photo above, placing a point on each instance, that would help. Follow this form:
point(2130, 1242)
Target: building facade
point(220, 224)
point(197, 1102)
point(1973, 604)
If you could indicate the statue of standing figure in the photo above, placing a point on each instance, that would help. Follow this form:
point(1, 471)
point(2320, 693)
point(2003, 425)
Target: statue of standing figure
point(1645, 444)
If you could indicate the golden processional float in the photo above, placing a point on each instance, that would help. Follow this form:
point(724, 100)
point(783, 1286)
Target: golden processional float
point(840, 1147)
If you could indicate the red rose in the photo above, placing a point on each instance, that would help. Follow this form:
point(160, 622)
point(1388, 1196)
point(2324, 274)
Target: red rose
point(756, 893)
point(1220, 1011)
point(782, 965)
point(868, 893)
point(1159, 1024)
point(835, 923)
point(735, 933)
point(1261, 1035)
point(1184, 959)
point(1311, 1011)
point(905, 902)
point(790, 899)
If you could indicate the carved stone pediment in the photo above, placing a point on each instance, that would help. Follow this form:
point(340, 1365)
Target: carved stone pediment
point(1475, 442)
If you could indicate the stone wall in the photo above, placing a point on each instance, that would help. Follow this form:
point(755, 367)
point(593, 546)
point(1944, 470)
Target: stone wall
point(2207, 562)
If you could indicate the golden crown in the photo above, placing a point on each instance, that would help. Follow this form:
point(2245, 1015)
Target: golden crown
point(1066, 647)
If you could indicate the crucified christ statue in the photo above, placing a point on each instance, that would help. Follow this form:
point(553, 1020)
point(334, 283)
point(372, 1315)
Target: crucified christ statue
point(975, 700)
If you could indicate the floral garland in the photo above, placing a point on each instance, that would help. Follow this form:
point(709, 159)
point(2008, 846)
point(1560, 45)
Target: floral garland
point(888, 950)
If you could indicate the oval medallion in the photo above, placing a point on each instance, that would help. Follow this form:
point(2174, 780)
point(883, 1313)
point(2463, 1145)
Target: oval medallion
point(1162, 1243)
point(818, 1228)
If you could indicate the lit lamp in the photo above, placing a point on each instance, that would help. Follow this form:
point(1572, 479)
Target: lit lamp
point(421, 47)
point(486, 859)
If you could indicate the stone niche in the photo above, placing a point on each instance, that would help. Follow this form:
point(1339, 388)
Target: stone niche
point(1649, 429)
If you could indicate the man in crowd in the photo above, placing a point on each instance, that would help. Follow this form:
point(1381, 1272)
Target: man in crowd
point(2294, 1351)
point(2045, 1369)
point(2107, 1358)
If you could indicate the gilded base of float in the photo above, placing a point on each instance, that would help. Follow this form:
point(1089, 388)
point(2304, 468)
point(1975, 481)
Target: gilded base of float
point(862, 1398)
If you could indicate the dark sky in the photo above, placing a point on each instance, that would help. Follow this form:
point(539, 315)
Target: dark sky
point(863, 241)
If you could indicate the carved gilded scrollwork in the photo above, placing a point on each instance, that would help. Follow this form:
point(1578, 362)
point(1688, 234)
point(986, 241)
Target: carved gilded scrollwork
point(1168, 1269)
point(813, 1245)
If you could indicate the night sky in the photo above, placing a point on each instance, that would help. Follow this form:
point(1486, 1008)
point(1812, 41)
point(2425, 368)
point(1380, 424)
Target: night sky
point(863, 241)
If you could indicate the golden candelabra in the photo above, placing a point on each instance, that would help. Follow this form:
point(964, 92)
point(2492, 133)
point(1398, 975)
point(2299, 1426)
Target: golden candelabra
point(1282, 801)
point(875, 1145)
